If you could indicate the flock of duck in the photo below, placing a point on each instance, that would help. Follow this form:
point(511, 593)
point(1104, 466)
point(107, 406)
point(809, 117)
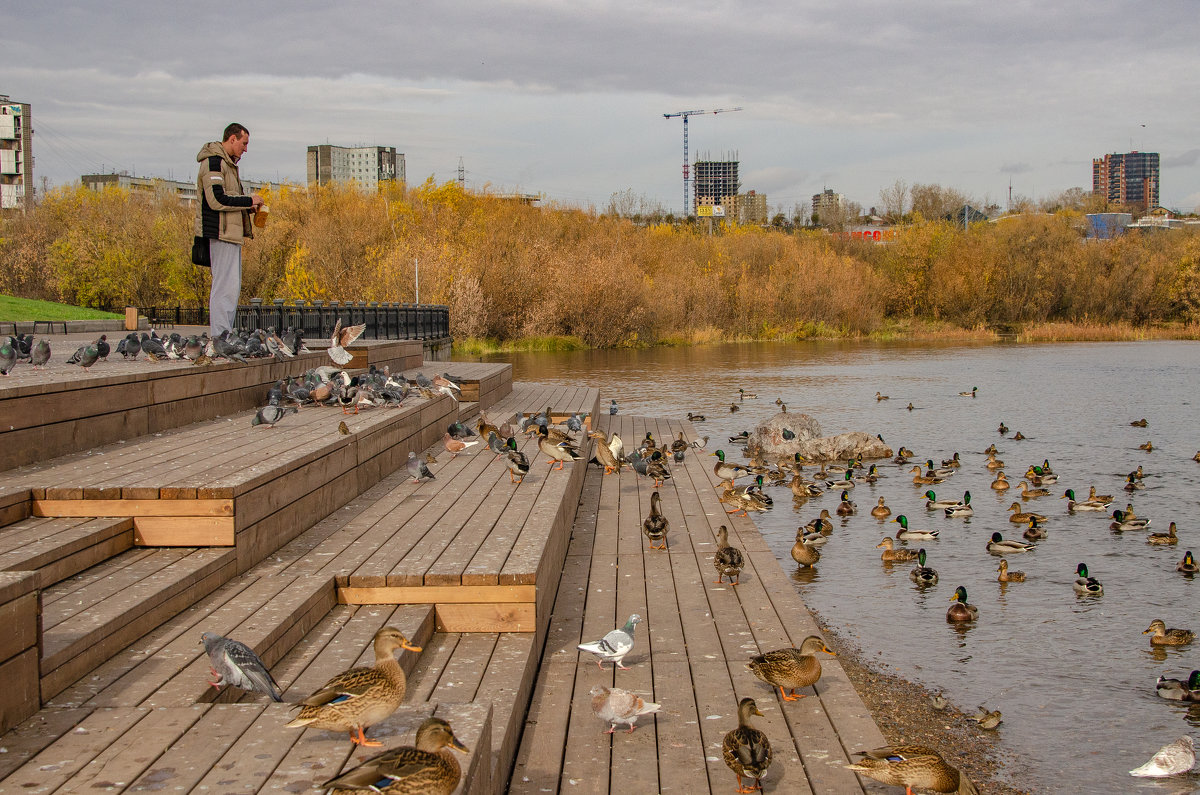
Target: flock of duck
point(893, 765)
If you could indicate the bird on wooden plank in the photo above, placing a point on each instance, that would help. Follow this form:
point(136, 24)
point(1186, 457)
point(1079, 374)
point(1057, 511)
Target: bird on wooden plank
point(270, 414)
point(455, 446)
point(746, 750)
point(8, 356)
point(483, 427)
point(428, 768)
point(604, 455)
point(460, 431)
point(342, 337)
point(518, 464)
point(556, 451)
point(496, 445)
point(729, 560)
point(343, 428)
point(615, 645)
point(40, 354)
point(417, 468)
point(656, 526)
point(235, 663)
point(614, 705)
point(612, 408)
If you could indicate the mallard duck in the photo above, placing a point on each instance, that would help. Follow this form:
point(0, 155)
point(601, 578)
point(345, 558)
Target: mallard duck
point(1022, 517)
point(733, 407)
point(804, 489)
point(1178, 689)
point(990, 450)
point(997, 545)
point(1139, 423)
point(740, 438)
point(811, 537)
point(1082, 505)
point(747, 750)
point(994, 463)
point(941, 472)
point(871, 476)
point(1008, 576)
point(1168, 537)
point(696, 417)
point(359, 697)
point(890, 553)
point(905, 534)
point(681, 444)
point(961, 610)
point(952, 462)
point(1167, 637)
point(922, 574)
point(559, 451)
point(604, 454)
point(932, 503)
point(881, 511)
point(970, 394)
point(1000, 483)
point(1121, 521)
point(1132, 483)
point(518, 464)
point(1148, 447)
point(728, 561)
point(845, 506)
point(1003, 429)
point(656, 526)
point(1094, 497)
point(1084, 584)
point(429, 767)
point(878, 396)
point(789, 669)
point(1018, 436)
point(1035, 532)
point(725, 470)
point(1028, 493)
point(805, 553)
point(925, 479)
point(656, 469)
point(744, 395)
point(844, 482)
point(1188, 564)
point(902, 455)
point(1196, 457)
point(963, 508)
point(912, 766)
point(823, 523)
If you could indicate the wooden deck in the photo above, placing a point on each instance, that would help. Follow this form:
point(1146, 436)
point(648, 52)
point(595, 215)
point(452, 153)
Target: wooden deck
point(690, 653)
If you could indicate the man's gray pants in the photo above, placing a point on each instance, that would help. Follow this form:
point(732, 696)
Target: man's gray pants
point(226, 269)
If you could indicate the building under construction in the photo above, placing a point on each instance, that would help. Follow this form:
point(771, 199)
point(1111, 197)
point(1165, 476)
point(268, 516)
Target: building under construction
point(715, 182)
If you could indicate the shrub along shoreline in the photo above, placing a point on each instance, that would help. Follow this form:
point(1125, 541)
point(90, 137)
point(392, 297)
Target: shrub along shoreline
point(529, 278)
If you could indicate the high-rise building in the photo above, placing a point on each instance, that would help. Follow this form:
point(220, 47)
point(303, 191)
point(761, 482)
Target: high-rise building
point(16, 155)
point(715, 182)
point(364, 166)
point(751, 208)
point(827, 203)
point(1128, 179)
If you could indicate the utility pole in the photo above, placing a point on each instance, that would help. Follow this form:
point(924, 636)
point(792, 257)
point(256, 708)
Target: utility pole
point(462, 175)
point(687, 114)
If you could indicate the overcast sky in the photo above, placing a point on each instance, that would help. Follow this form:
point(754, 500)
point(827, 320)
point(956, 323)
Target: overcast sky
point(567, 98)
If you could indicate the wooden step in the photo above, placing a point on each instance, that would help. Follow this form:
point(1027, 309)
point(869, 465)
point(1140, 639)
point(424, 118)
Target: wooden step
point(61, 548)
point(89, 617)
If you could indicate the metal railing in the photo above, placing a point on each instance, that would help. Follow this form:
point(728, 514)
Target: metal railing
point(385, 321)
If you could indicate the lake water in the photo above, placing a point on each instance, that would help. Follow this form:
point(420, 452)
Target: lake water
point(1073, 676)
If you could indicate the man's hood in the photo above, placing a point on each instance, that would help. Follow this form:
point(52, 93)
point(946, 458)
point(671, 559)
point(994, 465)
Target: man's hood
point(213, 148)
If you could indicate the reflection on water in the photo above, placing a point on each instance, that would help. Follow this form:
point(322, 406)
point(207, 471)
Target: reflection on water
point(1074, 676)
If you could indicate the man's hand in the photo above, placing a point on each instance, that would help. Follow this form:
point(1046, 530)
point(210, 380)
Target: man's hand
point(258, 201)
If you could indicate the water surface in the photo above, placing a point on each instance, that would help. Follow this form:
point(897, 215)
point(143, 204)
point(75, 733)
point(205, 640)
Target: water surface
point(1073, 675)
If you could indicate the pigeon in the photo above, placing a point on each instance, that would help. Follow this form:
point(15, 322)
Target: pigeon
point(495, 445)
point(193, 348)
point(130, 347)
point(226, 349)
point(342, 337)
point(460, 431)
point(615, 706)
point(270, 414)
point(88, 357)
point(456, 446)
point(575, 422)
point(612, 409)
point(417, 468)
point(615, 645)
point(1173, 759)
point(233, 663)
point(8, 357)
point(151, 346)
point(23, 345)
point(41, 354)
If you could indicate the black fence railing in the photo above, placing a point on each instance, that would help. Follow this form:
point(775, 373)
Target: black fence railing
point(385, 321)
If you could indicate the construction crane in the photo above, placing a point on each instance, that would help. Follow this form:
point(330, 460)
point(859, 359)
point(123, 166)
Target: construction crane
point(687, 114)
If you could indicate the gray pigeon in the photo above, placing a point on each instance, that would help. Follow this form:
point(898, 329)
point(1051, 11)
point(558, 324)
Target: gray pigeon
point(615, 645)
point(88, 357)
point(8, 357)
point(233, 663)
point(130, 347)
point(152, 346)
point(417, 468)
point(612, 408)
point(495, 445)
point(270, 414)
point(41, 353)
point(615, 706)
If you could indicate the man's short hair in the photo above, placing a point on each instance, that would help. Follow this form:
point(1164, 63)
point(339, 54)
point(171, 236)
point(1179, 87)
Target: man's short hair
point(232, 131)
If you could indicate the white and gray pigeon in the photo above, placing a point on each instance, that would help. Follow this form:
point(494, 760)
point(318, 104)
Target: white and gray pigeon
point(615, 645)
point(270, 414)
point(234, 663)
point(1171, 760)
point(417, 468)
point(615, 706)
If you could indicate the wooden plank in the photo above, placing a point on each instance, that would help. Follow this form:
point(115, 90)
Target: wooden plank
point(462, 674)
point(486, 618)
point(19, 618)
point(539, 760)
point(183, 531)
point(32, 736)
point(429, 594)
point(187, 761)
point(249, 763)
point(20, 695)
point(70, 753)
point(88, 508)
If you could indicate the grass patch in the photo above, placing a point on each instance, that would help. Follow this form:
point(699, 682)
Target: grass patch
point(473, 346)
point(26, 309)
point(1087, 331)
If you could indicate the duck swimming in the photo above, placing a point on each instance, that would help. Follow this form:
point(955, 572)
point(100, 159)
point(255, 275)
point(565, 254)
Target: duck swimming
point(1008, 576)
point(997, 545)
point(922, 574)
point(961, 610)
point(1167, 637)
point(1084, 584)
point(881, 511)
point(891, 554)
point(1021, 517)
point(907, 534)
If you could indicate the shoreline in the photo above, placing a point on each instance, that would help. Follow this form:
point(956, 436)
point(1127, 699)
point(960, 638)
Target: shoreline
point(904, 714)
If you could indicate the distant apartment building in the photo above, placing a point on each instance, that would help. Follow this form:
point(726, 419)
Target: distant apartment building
point(827, 203)
point(186, 191)
point(1127, 179)
point(751, 208)
point(16, 155)
point(715, 183)
point(364, 166)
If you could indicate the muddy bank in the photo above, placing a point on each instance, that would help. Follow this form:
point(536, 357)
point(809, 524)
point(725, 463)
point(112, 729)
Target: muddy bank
point(905, 715)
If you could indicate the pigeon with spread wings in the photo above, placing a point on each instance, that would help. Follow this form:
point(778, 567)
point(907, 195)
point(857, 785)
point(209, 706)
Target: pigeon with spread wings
point(343, 336)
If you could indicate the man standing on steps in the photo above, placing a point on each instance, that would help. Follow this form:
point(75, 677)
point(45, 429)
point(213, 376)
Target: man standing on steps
point(223, 218)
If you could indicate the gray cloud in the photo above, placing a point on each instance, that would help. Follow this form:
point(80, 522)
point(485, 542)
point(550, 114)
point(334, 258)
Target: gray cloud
point(1188, 158)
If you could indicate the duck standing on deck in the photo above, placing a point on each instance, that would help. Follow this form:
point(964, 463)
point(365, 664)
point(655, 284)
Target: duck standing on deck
point(911, 766)
point(790, 669)
point(746, 750)
point(656, 526)
point(428, 768)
